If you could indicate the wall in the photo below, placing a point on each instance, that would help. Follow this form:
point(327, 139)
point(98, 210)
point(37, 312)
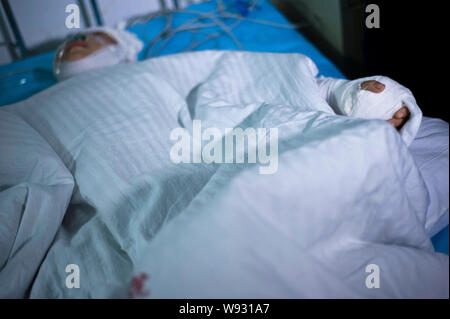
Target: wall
point(326, 17)
point(336, 28)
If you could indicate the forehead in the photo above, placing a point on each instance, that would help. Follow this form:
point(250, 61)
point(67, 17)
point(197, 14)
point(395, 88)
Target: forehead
point(98, 35)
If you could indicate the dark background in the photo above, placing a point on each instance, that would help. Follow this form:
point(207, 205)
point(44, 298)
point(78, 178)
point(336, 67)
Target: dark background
point(410, 47)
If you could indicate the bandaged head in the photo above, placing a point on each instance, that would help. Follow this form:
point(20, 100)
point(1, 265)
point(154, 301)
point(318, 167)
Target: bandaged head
point(95, 48)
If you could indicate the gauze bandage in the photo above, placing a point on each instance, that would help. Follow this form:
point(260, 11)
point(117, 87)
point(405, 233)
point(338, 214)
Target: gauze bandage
point(348, 98)
point(126, 50)
point(99, 59)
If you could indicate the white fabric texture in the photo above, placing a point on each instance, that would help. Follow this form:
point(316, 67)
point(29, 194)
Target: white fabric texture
point(347, 192)
point(35, 189)
point(347, 98)
point(228, 243)
point(430, 152)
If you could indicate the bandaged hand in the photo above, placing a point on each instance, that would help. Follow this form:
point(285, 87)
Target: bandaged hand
point(401, 116)
point(376, 97)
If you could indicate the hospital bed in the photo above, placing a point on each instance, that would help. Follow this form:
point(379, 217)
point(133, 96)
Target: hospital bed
point(24, 78)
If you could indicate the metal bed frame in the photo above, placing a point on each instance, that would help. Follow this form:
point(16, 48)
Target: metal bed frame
point(10, 27)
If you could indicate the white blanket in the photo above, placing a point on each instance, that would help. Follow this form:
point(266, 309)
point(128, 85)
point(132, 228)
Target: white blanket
point(346, 194)
point(347, 198)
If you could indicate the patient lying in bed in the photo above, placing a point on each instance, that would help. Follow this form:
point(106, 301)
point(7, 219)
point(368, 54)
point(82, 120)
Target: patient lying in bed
point(347, 190)
point(104, 47)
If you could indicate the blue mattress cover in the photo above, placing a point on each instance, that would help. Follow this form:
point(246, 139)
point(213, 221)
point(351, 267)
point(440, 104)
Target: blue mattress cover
point(23, 78)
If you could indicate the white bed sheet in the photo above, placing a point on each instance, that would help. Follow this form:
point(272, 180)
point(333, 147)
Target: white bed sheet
point(134, 210)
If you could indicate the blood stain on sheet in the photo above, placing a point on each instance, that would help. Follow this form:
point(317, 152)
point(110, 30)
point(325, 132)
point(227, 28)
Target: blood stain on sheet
point(137, 286)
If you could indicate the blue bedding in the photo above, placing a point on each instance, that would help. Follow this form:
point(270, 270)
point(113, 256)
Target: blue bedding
point(440, 241)
point(21, 79)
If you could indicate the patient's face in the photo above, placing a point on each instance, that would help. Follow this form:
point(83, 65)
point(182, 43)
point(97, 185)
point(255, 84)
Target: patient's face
point(85, 44)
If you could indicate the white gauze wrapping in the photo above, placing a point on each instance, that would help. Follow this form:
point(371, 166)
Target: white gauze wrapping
point(127, 41)
point(348, 97)
point(126, 50)
point(107, 56)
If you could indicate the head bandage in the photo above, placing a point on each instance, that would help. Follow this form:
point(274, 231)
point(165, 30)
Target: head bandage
point(126, 50)
point(353, 101)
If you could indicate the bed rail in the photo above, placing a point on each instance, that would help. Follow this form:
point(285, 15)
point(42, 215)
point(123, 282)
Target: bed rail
point(14, 41)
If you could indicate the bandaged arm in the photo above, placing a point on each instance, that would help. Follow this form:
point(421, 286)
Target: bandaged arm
point(326, 88)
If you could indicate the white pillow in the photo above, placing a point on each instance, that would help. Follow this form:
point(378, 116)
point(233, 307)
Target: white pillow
point(35, 189)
